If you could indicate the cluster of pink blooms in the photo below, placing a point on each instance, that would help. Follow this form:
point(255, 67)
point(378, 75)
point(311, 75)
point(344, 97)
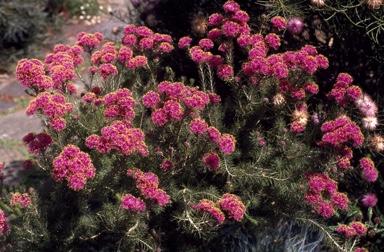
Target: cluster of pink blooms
point(130, 202)
point(93, 96)
point(61, 66)
point(279, 22)
point(232, 205)
point(119, 136)
point(37, 143)
point(368, 110)
point(211, 160)
point(31, 73)
point(340, 131)
point(278, 65)
point(104, 59)
point(298, 93)
point(323, 195)
point(232, 25)
point(175, 96)
point(119, 104)
point(23, 200)
point(211, 208)
point(74, 166)
point(56, 73)
point(369, 200)
point(142, 39)
point(89, 41)
point(54, 106)
point(166, 165)
point(369, 171)
point(4, 228)
point(352, 230)
point(148, 184)
point(343, 91)
point(229, 204)
point(226, 142)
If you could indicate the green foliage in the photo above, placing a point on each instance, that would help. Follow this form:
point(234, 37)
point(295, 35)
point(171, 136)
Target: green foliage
point(181, 184)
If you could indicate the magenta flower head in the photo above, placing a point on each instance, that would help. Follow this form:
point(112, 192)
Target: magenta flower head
point(295, 26)
point(233, 206)
point(22, 200)
point(4, 228)
point(231, 6)
point(227, 143)
point(325, 209)
point(211, 208)
point(361, 229)
point(369, 200)
point(279, 22)
point(211, 160)
point(166, 165)
point(184, 42)
point(132, 203)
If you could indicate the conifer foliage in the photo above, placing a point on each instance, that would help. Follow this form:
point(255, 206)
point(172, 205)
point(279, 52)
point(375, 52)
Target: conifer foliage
point(141, 160)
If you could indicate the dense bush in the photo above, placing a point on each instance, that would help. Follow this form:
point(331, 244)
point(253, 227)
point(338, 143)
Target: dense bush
point(247, 152)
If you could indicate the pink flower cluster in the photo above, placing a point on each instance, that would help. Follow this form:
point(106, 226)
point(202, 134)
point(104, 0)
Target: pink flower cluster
point(53, 106)
point(368, 109)
point(93, 96)
point(229, 204)
point(4, 228)
point(184, 42)
point(279, 22)
point(232, 205)
point(234, 23)
point(278, 65)
point(298, 92)
point(22, 200)
point(61, 66)
point(104, 59)
point(89, 41)
point(343, 91)
point(211, 208)
point(175, 96)
point(369, 200)
point(148, 184)
point(31, 74)
point(107, 54)
point(369, 171)
point(166, 165)
point(56, 73)
point(120, 104)
point(341, 131)
point(74, 166)
point(119, 136)
point(323, 195)
point(226, 142)
point(132, 203)
point(37, 143)
point(344, 160)
point(354, 229)
point(211, 160)
point(142, 39)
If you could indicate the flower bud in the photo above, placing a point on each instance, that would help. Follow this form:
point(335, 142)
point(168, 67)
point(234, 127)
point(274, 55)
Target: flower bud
point(295, 26)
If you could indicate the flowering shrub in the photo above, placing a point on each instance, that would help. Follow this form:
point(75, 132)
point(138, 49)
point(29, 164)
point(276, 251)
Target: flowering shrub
point(208, 163)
